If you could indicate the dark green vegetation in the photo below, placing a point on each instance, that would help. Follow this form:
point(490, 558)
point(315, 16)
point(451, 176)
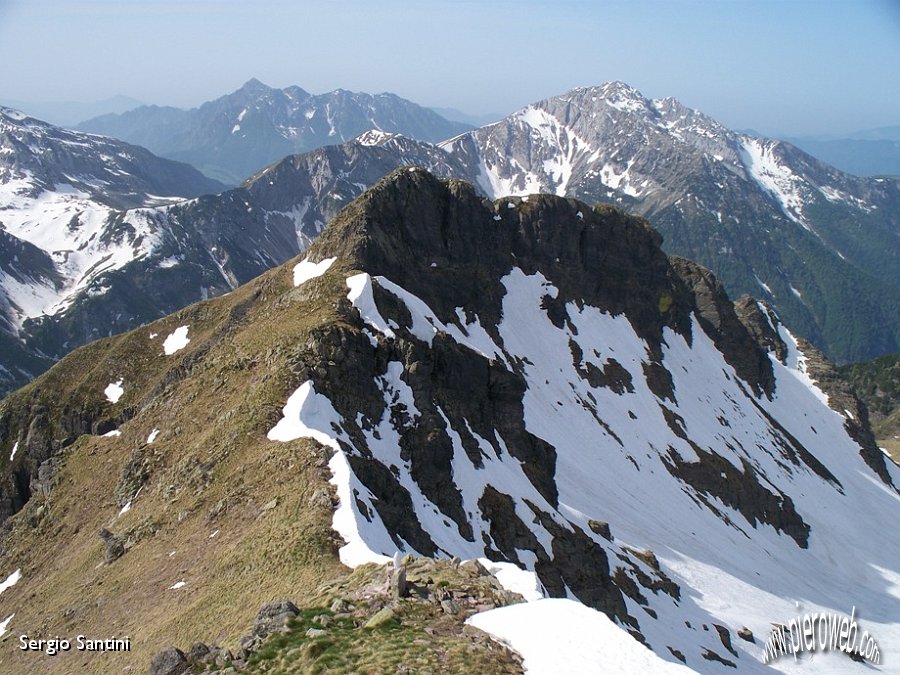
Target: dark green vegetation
point(878, 384)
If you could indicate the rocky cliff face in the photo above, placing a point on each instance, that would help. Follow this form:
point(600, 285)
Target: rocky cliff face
point(529, 380)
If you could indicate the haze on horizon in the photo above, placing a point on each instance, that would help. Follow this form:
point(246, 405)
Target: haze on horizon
point(783, 68)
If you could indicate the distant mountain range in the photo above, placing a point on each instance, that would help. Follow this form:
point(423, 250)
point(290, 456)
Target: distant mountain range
point(822, 246)
point(861, 157)
point(70, 113)
point(771, 220)
point(240, 133)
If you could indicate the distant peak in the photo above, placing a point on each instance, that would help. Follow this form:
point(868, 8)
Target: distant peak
point(617, 94)
point(620, 91)
point(14, 117)
point(374, 137)
point(617, 87)
point(13, 114)
point(254, 85)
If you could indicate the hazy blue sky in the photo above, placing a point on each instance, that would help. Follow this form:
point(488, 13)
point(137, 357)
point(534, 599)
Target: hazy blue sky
point(780, 66)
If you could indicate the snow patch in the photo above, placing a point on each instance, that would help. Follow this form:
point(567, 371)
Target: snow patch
point(11, 580)
point(114, 391)
point(763, 284)
point(152, 436)
point(15, 447)
point(308, 414)
point(176, 340)
point(515, 579)
point(361, 297)
point(306, 270)
point(777, 179)
point(557, 635)
point(4, 624)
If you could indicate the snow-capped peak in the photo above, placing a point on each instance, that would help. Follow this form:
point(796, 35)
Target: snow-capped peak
point(375, 137)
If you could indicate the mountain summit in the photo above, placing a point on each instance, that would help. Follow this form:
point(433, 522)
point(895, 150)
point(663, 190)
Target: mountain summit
point(529, 380)
point(768, 218)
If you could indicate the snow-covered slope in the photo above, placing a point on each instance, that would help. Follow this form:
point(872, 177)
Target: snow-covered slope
point(65, 194)
point(73, 208)
point(637, 450)
point(769, 219)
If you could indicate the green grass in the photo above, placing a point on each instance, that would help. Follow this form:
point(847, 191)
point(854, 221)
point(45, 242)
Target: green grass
point(403, 645)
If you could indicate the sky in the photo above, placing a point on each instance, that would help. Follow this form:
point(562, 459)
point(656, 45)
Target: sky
point(782, 67)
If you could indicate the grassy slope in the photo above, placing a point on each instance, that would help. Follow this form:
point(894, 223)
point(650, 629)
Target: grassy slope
point(211, 456)
point(214, 472)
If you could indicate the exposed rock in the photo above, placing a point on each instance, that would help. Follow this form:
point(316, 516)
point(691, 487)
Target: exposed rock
point(600, 527)
point(844, 400)
point(762, 323)
point(725, 637)
point(742, 490)
point(114, 546)
point(746, 634)
point(134, 476)
point(710, 655)
point(42, 483)
point(677, 654)
point(718, 318)
point(382, 617)
point(273, 617)
point(169, 661)
point(398, 583)
point(200, 653)
point(321, 499)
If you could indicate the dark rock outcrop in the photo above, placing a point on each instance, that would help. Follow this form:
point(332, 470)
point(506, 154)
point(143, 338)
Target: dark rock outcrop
point(170, 661)
point(114, 546)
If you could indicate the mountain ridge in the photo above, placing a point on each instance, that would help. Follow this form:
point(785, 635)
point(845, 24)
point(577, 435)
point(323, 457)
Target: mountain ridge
point(575, 403)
